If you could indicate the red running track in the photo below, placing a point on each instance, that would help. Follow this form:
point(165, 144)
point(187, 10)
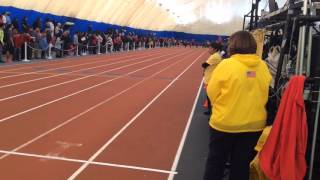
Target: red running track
point(116, 117)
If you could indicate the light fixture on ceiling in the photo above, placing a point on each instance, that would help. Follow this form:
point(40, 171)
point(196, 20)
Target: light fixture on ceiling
point(181, 12)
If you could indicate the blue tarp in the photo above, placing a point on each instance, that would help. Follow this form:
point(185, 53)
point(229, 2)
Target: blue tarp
point(82, 25)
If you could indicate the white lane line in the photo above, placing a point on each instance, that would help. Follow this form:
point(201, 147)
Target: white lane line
point(56, 62)
point(184, 136)
point(57, 75)
point(81, 78)
point(78, 92)
point(3, 73)
point(94, 156)
point(41, 71)
point(42, 64)
point(96, 60)
point(89, 110)
point(83, 161)
point(29, 67)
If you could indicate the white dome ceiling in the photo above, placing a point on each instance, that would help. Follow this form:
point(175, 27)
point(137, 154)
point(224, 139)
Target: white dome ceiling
point(220, 17)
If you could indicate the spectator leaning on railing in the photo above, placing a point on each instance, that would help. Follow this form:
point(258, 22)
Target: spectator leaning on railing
point(27, 38)
point(43, 44)
point(58, 47)
point(18, 43)
point(76, 41)
point(8, 43)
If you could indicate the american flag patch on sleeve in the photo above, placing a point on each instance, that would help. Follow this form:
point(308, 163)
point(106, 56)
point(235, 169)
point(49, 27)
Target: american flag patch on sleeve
point(251, 74)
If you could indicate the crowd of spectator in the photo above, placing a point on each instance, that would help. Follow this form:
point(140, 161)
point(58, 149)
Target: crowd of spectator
point(53, 39)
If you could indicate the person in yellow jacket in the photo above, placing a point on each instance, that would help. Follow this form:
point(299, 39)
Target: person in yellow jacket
point(209, 66)
point(238, 91)
point(1, 40)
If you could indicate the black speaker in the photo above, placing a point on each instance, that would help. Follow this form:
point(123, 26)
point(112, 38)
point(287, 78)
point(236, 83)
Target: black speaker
point(315, 57)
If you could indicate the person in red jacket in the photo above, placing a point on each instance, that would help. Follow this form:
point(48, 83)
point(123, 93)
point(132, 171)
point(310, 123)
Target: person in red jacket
point(283, 155)
point(18, 43)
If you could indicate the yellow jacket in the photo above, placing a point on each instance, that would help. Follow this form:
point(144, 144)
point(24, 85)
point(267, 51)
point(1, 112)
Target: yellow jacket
point(1, 37)
point(213, 61)
point(238, 91)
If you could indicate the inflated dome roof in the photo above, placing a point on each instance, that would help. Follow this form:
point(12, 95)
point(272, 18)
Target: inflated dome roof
point(220, 17)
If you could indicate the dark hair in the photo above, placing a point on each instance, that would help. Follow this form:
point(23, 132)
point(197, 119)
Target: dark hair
point(216, 46)
point(242, 42)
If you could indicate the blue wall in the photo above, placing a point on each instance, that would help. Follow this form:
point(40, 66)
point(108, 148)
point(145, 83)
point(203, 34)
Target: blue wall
point(82, 25)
